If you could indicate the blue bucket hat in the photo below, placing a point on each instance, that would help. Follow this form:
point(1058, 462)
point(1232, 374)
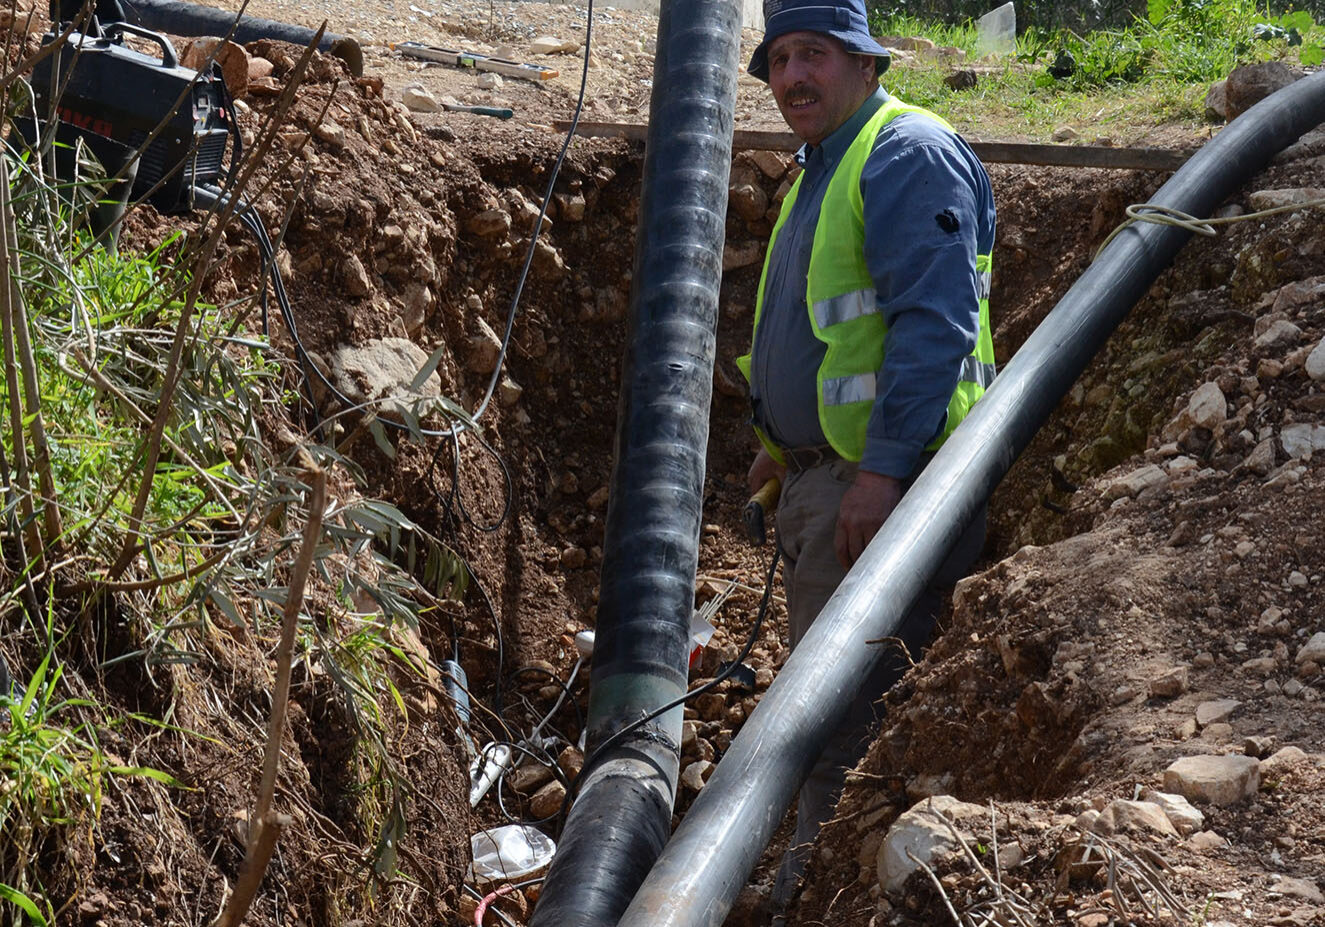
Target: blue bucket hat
point(844, 20)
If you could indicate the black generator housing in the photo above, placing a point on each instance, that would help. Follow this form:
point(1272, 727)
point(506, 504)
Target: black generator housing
point(103, 87)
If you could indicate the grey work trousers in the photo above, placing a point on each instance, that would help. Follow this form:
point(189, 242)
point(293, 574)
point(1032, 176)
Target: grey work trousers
point(806, 523)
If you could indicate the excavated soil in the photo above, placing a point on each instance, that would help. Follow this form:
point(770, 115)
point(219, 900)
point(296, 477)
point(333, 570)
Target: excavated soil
point(1129, 546)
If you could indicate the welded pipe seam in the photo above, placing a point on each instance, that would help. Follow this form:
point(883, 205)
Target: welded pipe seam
point(713, 852)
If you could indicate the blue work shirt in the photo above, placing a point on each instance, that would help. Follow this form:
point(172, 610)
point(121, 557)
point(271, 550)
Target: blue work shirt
point(928, 211)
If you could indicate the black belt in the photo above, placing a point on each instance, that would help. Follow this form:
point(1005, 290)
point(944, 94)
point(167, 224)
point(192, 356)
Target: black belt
point(800, 459)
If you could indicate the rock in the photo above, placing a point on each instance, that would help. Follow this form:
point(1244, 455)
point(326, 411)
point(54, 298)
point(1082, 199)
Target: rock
point(928, 785)
point(1094, 919)
point(420, 99)
point(1207, 408)
point(1123, 816)
point(696, 774)
point(331, 133)
point(508, 391)
point(1249, 84)
point(383, 369)
point(770, 163)
point(258, 69)
point(1220, 780)
point(1216, 710)
point(1258, 745)
point(484, 348)
point(551, 45)
point(1181, 814)
point(571, 761)
point(1281, 334)
point(1216, 101)
point(1315, 365)
point(574, 558)
point(598, 498)
point(232, 59)
point(570, 207)
point(355, 277)
point(1261, 460)
point(1261, 666)
point(529, 778)
point(1302, 439)
point(1131, 484)
point(1299, 888)
point(962, 79)
point(710, 706)
point(1273, 199)
point(1299, 293)
point(735, 256)
point(490, 223)
point(1281, 760)
point(920, 831)
point(489, 81)
point(417, 300)
point(1065, 134)
point(1206, 840)
point(548, 800)
point(689, 734)
point(1313, 649)
point(748, 201)
point(1170, 683)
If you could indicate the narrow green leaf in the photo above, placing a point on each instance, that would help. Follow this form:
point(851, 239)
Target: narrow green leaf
point(14, 896)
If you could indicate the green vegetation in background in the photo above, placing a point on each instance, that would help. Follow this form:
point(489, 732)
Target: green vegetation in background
point(1080, 15)
point(1120, 82)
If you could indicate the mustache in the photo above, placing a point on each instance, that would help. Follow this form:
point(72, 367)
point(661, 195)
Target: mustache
point(800, 92)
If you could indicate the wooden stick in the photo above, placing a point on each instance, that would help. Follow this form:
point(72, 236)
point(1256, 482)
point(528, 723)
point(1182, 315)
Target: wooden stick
point(264, 824)
point(1136, 159)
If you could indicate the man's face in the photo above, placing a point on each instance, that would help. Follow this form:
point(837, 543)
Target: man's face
point(817, 83)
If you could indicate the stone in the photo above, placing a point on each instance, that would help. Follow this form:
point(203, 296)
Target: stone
point(1131, 484)
point(484, 348)
point(1123, 816)
point(355, 277)
point(736, 256)
point(416, 300)
point(489, 81)
point(1216, 101)
point(1313, 649)
point(419, 99)
point(1273, 199)
point(748, 201)
point(1094, 919)
point(1220, 780)
point(689, 734)
point(490, 223)
point(508, 391)
point(574, 558)
point(1065, 134)
point(548, 800)
point(962, 79)
point(1181, 814)
point(1315, 364)
point(1302, 439)
point(1299, 888)
point(570, 207)
point(258, 69)
point(921, 832)
point(382, 369)
point(710, 706)
point(1261, 666)
point(1206, 840)
point(529, 778)
point(1216, 710)
point(551, 45)
point(232, 59)
point(696, 774)
point(1207, 408)
point(1170, 683)
point(1281, 334)
point(771, 164)
point(1299, 294)
point(571, 761)
point(1262, 458)
point(331, 133)
point(1249, 84)
point(1281, 760)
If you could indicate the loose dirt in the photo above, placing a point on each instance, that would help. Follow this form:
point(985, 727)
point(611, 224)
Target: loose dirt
point(1129, 545)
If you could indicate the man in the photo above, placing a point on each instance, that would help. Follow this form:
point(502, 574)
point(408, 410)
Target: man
point(871, 336)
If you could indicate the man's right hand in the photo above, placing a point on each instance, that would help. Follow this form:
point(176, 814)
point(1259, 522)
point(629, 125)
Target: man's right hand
point(764, 469)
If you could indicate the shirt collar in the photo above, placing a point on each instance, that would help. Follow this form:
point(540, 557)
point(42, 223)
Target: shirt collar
point(835, 145)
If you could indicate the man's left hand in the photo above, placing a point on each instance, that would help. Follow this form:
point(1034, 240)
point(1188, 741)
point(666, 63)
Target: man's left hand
point(865, 507)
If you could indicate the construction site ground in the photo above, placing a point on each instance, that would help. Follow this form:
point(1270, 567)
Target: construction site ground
point(1149, 591)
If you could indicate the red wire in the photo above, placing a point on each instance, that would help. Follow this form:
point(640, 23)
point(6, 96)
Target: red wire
point(483, 905)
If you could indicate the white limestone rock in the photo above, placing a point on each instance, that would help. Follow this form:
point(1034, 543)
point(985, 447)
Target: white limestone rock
point(1220, 780)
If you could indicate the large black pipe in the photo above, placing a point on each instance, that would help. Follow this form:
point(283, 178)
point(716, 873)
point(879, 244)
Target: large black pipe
point(713, 852)
point(193, 19)
point(623, 813)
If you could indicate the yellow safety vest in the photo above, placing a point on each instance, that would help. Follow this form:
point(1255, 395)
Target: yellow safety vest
point(844, 313)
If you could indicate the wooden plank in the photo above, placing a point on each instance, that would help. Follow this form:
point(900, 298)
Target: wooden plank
point(1135, 159)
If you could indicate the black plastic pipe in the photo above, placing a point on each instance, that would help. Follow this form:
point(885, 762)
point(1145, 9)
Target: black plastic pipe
point(725, 831)
point(194, 19)
point(623, 813)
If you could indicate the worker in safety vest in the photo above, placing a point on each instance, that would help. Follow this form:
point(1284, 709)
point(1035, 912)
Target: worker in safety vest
point(871, 336)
